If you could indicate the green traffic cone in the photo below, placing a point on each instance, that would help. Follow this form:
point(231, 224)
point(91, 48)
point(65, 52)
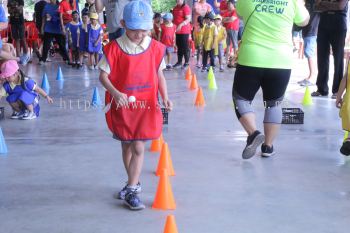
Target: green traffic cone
point(307, 100)
point(212, 84)
point(211, 73)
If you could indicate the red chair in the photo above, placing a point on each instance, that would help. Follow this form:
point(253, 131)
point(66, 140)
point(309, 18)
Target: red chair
point(32, 35)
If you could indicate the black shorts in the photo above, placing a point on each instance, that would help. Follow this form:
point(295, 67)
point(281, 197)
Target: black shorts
point(17, 31)
point(248, 80)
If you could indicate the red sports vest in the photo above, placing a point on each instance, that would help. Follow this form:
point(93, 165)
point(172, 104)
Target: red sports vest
point(135, 75)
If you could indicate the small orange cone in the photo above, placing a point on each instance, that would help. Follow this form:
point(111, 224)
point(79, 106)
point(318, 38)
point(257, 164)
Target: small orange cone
point(164, 198)
point(188, 73)
point(200, 102)
point(170, 225)
point(156, 144)
point(193, 84)
point(165, 161)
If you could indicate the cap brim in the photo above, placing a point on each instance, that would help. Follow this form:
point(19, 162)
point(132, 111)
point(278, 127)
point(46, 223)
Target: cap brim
point(139, 25)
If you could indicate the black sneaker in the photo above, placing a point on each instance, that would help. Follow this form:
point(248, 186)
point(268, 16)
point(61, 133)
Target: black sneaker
point(266, 151)
point(185, 66)
point(253, 141)
point(345, 148)
point(177, 65)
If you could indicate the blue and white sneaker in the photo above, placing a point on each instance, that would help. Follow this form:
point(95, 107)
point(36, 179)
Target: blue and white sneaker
point(121, 194)
point(17, 115)
point(24, 59)
point(133, 201)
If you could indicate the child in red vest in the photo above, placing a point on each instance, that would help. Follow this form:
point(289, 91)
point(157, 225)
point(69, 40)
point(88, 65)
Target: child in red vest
point(131, 72)
point(167, 37)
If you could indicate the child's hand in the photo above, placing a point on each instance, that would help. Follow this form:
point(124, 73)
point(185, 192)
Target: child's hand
point(49, 99)
point(168, 105)
point(338, 102)
point(121, 99)
point(95, 44)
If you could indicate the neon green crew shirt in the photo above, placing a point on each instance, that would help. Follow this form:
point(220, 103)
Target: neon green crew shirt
point(267, 37)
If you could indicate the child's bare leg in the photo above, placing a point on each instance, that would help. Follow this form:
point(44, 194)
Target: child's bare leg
point(30, 107)
point(90, 59)
point(168, 56)
point(16, 106)
point(136, 162)
point(81, 58)
point(6, 55)
point(96, 59)
point(126, 153)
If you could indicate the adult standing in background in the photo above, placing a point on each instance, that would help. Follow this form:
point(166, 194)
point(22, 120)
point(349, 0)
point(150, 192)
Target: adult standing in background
point(15, 10)
point(200, 8)
point(264, 61)
point(51, 28)
point(114, 13)
point(222, 6)
point(182, 18)
point(331, 33)
point(38, 11)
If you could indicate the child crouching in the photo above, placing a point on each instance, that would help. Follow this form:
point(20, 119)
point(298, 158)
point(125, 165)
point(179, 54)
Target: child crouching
point(21, 92)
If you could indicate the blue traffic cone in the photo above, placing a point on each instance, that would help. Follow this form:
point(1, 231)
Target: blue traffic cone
point(45, 83)
point(96, 100)
point(3, 147)
point(59, 74)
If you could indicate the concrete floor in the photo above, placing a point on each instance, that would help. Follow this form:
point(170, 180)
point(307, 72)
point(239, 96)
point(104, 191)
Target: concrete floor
point(63, 168)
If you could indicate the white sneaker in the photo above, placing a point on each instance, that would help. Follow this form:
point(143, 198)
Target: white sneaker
point(91, 67)
point(29, 116)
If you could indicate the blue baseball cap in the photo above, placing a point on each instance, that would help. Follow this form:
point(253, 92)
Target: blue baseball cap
point(138, 15)
point(168, 16)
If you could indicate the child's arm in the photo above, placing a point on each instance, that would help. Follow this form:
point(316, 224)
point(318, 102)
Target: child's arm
point(215, 38)
point(43, 94)
point(342, 87)
point(164, 91)
point(120, 98)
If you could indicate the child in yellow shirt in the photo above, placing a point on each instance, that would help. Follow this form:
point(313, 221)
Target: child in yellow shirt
point(209, 37)
point(198, 38)
point(220, 41)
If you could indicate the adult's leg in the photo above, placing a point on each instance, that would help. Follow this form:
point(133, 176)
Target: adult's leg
point(245, 85)
point(22, 38)
point(179, 48)
point(47, 43)
point(323, 50)
point(338, 43)
point(186, 48)
point(274, 85)
point(62, 46)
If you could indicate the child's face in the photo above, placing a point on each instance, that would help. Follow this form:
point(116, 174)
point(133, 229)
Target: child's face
point(136, 36)
point(217, 22)
point(85, 19)
point(157, 20)
point(76, 17)
point(13, 78)
point(93, 21)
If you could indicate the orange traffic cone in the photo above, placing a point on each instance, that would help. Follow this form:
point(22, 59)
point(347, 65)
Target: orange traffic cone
point(164, 198)
point(193, 84)
point(200, 102)
point(156, 144)
point(188, 73)
point(170, 225)
point(165, 161)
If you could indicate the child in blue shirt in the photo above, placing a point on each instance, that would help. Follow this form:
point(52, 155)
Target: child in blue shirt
point(73, 39)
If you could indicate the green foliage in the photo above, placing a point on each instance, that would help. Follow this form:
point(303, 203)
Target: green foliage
point(162, 6)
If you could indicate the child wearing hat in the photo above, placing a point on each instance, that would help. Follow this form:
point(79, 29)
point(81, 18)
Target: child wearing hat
point(209, 37)
point(73, 39)
point(220, 43)
point(167, 37)
point(132, 73)
point(95, 35)
point(21, 92)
